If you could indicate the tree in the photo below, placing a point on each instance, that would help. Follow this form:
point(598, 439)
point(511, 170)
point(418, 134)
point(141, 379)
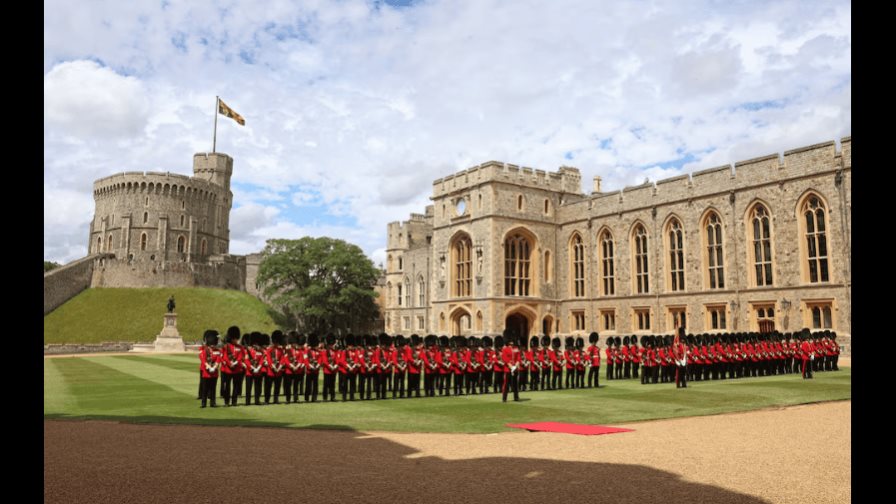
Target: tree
point(48, 265)
point(320, 284)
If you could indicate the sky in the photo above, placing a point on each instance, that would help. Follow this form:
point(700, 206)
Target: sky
point(353, 108)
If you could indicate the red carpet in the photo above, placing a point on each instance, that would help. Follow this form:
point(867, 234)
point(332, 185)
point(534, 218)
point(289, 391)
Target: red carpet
point(568, 428)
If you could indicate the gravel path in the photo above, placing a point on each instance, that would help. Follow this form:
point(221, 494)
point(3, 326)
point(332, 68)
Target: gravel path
point(791, 455)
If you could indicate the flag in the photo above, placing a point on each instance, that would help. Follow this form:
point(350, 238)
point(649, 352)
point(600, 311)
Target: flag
point(224, 110)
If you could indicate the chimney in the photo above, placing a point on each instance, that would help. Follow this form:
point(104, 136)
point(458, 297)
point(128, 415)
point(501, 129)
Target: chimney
point(596, 184)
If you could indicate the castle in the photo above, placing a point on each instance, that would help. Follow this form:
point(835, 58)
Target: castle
point(758, 246)
point(158, 229)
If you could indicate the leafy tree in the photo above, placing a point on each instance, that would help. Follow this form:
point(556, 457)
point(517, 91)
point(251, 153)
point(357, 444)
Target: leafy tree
point(48, 265)
point(320, 284)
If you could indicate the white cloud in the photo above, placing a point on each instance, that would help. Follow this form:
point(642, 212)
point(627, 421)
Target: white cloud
point(86, 100)
point(363, 107)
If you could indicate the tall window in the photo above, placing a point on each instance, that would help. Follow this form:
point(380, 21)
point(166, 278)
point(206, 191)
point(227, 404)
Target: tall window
point(608, 276)
point(547, 206)
point(519, 202)
point(142, 241)
point(399, 294)
point(400, 263)
point(578, 318)
point(760, 225)
point(577, 254)
point(715, 264)
point(816, 239)
point(516, 266)
point(677, 318)
point(407, 293)
point(145, 217)
point(463, 263)
point(547, 266)
point(421, 291)
point(821, 315)
point(641, 320)
point(389, 263)
point(181, 243)
point(641, 264)
point(609, 319)
point(182, 221)
point(764, 316)
point(716, 317)
point(676, 255)
point(109, 243)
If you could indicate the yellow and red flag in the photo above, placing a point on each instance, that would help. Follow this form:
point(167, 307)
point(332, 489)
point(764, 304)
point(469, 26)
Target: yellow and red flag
point(224, 110)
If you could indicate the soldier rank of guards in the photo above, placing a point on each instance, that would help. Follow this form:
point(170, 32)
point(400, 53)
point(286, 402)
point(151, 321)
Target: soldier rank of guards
point(372, 365)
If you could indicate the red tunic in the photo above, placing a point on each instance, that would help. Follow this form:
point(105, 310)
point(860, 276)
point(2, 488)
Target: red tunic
point(209, 358)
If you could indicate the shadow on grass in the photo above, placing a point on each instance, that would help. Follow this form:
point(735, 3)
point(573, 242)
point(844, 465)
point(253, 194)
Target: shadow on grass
point(193, 421)
point(333, 465)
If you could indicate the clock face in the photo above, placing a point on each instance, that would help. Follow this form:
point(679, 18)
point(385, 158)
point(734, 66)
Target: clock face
point(461, 206)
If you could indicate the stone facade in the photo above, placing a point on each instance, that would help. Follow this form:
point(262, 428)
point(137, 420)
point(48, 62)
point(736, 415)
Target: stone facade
point(165, 229)
point(504, 205)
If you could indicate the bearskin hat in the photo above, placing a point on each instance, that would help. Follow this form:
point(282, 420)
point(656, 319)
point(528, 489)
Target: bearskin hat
point(499, 341)
point(555, 342)
point(487, 341)
point(593, 338)
point(580, 342)
point(533, 342)
point(210, 337)
point(545, 341)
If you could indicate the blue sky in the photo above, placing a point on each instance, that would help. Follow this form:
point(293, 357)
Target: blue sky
point(353, 108)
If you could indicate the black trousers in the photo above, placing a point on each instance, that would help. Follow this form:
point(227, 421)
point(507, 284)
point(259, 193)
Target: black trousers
point(458, 384)
point(609, 371)
point(287, 387)
point(545, 378)
point(627, 370)
point(635, 366)
point(656, 374)
point(363, 380)
point(523, 377)
point(580, 378)
point(570, 377)
point(594, 376)
point(556, 379)
point(250, 387)
point(414, 384)
point(398, 383)
point(272, 381)
point(207, 388)
point(485, 378)
point(681, 376)
point(382, 383)
point(472, 381)
point(351, 383)
point(311, 381)
point(444, 384)
point(834, 366)
point(535, 379)
point(329, 392)
point(294, 388)
point(231, 387)
point(617, 369)
point(645, 375)
point(429, 384)
point(511, 381)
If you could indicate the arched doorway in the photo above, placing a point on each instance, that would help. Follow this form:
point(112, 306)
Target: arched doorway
point(518, 326)
point(461, 323)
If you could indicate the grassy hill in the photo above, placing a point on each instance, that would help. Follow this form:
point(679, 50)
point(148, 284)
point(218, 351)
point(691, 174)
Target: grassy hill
point(98, 315)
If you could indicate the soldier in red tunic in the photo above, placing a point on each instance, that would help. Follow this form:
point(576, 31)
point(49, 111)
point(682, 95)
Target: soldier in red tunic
point(312, 367)
point(232, 367)
point(544, 362)
point(209, 364)
point(471, 365)
point(430, 366)
point(680, 355)
point(808, 353)
point(487, 373)
point(510, 360)
point(534, 365)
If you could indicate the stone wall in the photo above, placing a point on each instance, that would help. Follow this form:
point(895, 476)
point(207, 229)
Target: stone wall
point(65, 282)
point(223, 272)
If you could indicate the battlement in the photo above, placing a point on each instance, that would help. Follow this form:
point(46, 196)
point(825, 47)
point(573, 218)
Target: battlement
point(566, 179)
point(803, 161)
point(160, 183)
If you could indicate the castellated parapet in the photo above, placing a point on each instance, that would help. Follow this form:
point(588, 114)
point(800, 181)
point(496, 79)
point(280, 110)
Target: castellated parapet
point(166, 229)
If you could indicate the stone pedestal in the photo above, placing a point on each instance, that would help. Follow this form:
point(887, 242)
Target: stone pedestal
point(168, 340)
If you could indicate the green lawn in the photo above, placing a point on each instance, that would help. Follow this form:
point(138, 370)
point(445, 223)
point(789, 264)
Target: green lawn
point(98, 315)
point(162, 389)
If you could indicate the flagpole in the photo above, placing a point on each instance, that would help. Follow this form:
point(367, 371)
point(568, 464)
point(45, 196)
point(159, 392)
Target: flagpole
point(215, 134)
